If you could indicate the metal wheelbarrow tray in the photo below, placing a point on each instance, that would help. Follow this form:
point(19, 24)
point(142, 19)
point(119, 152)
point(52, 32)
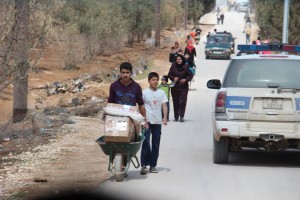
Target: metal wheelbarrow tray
point(120, 154)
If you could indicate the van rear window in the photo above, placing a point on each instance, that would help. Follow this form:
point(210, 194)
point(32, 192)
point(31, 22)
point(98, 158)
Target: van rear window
point(258, 73)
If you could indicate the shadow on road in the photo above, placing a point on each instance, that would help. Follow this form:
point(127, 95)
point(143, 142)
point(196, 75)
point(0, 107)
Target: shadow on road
point(258, 158)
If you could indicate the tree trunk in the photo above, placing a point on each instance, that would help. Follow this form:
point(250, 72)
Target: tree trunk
point(186, 12)
point(20, 95)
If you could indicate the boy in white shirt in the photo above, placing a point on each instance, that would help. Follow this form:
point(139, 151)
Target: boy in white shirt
point(154, 99)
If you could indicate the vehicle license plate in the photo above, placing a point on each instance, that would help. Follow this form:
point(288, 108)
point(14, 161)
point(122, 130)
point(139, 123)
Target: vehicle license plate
point(269, 103)
point(217, 52)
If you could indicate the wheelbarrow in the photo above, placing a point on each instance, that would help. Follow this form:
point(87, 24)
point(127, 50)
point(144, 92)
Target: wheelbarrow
point(120, 155)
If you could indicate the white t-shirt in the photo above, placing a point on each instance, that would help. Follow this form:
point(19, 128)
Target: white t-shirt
point(153, 100)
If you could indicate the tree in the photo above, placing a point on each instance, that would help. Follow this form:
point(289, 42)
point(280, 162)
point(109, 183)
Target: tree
point(21, 35)
point(197, 8)
point(269, 15)
point(23, 25)
point(139, 15)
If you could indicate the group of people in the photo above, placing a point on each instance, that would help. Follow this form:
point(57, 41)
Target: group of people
point(181, 72)
point(220, 18)
point(153, 102)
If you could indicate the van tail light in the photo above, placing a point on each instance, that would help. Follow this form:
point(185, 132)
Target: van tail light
point(220, 102)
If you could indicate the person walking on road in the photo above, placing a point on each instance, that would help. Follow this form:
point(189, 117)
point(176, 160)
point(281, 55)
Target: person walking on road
point(155, 100)
point(222, 18)
point(126, 91)
point(191, 50)
point(164, 86)
point(181, 75)
point(247, 31)
point(172, 55)
point(218, 18)
point(198, 34)
point(208, 34)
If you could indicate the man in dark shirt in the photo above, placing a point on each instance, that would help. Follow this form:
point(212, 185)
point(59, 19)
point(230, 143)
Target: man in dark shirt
point(126, 91)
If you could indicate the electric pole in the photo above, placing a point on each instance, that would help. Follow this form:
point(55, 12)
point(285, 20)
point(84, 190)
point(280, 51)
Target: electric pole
point(157, 23)
point(285, 30)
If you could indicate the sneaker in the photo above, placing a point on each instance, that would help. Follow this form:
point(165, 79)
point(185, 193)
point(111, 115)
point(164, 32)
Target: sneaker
point(181, 119)
point(143, 170)
point(153, 170)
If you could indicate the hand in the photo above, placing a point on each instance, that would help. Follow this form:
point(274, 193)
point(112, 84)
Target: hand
point(165, 121)
point(175, 79)
point(146, 125)
point(182, 81)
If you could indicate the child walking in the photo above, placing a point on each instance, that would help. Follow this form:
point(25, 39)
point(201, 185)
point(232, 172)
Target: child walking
point(164, 86)
point(191, 64)
point(154, 99)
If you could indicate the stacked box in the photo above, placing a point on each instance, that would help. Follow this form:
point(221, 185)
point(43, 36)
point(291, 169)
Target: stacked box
point(128, 109)
point(118, 129)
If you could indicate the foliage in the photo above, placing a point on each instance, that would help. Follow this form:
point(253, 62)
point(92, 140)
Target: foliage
point(197, 8)
point(39, 12)
point(269, 16)
point(86, 28)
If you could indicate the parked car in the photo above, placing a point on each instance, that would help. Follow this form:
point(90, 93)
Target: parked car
point(243, 7)
point(231, 39)
point(218, 46)
point(258, 103)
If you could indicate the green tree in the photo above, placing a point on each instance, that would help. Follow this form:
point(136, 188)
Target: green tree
point(139, 15)
point(197, 8)
point(269, 16)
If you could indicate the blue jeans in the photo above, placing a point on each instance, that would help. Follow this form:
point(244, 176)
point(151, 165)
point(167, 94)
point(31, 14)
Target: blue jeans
point(149, 154)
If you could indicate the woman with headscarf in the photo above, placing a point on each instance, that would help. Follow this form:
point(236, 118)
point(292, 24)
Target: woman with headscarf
point(180, 74)
point(174, 52)
point(190, 49)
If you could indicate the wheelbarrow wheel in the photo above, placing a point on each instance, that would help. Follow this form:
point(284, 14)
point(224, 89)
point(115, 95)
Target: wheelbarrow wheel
point(118, 167)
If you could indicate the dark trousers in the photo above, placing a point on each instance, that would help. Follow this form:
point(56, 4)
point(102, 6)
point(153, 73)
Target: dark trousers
point(150, 148)
point(179, 97)
point(168, 112)
point(247, 38)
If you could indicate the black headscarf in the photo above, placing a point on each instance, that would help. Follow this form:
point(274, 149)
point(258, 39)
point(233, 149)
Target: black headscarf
point(179, 67)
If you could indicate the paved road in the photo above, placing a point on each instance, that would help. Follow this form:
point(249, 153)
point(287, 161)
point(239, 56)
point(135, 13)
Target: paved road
point(186, 170)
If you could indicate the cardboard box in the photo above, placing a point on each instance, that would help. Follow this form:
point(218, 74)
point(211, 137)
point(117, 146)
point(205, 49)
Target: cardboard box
point(137, 127)
point(118, 129)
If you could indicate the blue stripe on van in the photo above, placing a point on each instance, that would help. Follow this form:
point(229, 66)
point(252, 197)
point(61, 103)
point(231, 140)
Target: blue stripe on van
point(297, 103)
point(238, 102)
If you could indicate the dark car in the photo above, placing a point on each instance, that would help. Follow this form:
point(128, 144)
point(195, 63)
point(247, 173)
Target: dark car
point(218, 46)
point(243, 7)
point(232, 39)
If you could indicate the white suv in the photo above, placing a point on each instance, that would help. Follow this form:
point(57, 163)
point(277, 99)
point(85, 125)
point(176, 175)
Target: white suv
point(258, 103)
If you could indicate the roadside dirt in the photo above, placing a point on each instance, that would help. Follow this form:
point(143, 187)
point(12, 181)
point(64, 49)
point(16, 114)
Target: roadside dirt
point(35, 165)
